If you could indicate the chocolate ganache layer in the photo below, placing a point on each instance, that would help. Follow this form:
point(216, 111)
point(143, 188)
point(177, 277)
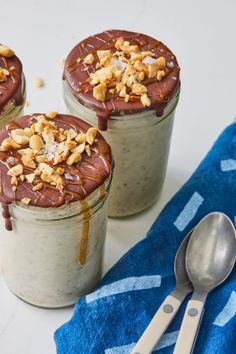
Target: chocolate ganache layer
point(48, 162)
point(160, 90)
point(11, 80)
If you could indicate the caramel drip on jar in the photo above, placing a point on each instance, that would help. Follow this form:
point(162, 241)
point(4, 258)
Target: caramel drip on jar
point(86, 210)
point(7, 216)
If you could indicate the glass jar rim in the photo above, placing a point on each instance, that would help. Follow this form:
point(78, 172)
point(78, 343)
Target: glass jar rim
point(70, 97)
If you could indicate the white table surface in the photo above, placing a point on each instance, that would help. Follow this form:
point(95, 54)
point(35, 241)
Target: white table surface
point(201, 34)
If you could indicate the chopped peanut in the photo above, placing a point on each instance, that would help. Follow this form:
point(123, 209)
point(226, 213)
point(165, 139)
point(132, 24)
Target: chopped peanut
point(6, 51)
point(30, 178)
point(139, 89)
point(60, 170)
point(14, 180)
point(74, 158)
point(38, 187)
point(160, 74)
point(28, 162)
point(51, 115)
point(26, 201)
point(8, 144)
point(36, 142)
point(161, 62)
point(99, 91)
point(19, 136)
point(145, 100)
point(88, 150)
point(89, 59)
point(90, 135)
point(39, 83)
point(16, 170)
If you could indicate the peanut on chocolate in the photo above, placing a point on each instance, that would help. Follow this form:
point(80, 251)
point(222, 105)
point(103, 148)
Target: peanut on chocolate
point(124, 71)
point(43, 146)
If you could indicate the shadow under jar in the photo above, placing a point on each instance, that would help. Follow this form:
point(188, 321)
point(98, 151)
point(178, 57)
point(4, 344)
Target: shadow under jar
point(56, 211)
point(12, 86)
point(127, 84)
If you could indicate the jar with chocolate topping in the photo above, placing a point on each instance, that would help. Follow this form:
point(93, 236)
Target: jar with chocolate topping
point(12, 86)
point(55, 173)
point(127, 84)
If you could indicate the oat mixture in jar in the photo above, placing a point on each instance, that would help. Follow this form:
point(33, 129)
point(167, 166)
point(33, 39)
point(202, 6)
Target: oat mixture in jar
point(127, 84)
point(12, 85)
point(56, 172)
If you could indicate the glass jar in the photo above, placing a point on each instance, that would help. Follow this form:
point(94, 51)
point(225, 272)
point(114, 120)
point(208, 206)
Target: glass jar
point(11, 111)
point(140, 145)
point(54, 255)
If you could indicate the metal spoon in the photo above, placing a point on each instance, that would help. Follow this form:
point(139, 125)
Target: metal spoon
point(170, 306)
point(210, 257)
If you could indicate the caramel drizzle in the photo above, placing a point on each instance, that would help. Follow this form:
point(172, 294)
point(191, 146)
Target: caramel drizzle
point(86, 210)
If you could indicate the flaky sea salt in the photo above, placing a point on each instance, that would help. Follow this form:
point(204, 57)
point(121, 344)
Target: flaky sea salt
point(68, 176)
point(149, 60)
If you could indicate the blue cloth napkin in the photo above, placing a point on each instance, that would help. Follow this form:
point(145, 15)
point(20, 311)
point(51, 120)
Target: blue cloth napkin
point(112, 318)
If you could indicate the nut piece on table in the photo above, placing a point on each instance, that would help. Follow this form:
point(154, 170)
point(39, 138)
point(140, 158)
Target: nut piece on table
point(39, 83)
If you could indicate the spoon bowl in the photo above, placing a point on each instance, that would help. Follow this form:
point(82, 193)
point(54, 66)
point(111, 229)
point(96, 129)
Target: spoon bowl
point(211, 252)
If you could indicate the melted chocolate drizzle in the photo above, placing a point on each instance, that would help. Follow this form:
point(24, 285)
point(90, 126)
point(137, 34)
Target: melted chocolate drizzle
point(84, 176)
point(77, 74)
point(12, 88)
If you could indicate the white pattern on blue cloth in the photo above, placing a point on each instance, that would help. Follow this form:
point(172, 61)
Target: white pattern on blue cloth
point(228, 311)
point(228, 165)
point(167, 340)
point(124, 285)
point(189, 211)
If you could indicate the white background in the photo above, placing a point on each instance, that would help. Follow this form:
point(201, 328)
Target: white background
point(201, 34)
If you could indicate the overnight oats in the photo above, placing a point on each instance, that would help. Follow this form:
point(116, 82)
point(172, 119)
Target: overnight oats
point(55, 173)
point(12, 85)
point(127, 84)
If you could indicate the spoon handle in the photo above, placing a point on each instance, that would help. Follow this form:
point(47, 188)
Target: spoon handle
point(157, 326)
point(189, 327)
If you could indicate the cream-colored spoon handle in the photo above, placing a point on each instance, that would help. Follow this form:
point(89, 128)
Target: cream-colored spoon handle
point(157, 326)
point(189, 327)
